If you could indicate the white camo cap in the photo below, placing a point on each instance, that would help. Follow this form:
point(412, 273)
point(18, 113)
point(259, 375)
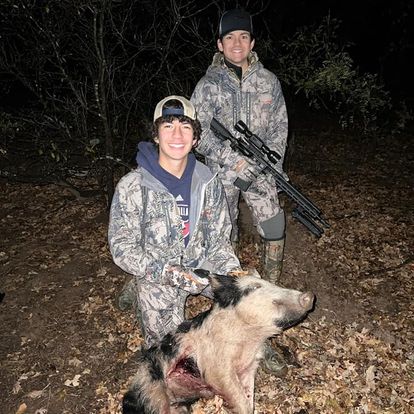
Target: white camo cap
point(187, 109)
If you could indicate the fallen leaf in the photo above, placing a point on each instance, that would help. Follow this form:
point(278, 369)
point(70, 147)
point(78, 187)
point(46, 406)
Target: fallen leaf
point(75, 362)
point(35, 394)
point(370, 377)
point(73, 382)
point(22, 409)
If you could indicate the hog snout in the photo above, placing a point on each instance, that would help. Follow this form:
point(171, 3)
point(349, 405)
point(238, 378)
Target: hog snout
point(306, 300)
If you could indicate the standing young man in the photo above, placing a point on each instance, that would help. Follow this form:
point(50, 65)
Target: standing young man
point(237, 87)
point(168, 218)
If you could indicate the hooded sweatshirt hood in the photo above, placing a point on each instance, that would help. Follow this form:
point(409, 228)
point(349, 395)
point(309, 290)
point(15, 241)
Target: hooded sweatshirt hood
point(147, 157)
point(180, 188)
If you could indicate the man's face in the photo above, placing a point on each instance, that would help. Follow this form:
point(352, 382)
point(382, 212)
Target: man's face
point(236, 47)
point(175, 139)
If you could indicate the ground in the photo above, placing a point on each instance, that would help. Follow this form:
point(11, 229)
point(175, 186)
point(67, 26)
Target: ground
point(66, 348)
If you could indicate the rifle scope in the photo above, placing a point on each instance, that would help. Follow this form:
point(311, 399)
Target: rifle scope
point(272, 156)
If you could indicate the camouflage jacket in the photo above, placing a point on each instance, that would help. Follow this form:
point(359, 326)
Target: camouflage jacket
point(257, 100)
point(145, 230)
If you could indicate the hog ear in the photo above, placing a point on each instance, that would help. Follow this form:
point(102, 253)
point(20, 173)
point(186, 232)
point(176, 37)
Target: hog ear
point(218, 281)
point(254, 286)
point(201, 272)
point(252, 271)
point(225, 290)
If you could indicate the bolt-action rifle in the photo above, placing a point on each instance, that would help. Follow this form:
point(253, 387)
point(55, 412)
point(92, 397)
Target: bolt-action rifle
point(251, 146)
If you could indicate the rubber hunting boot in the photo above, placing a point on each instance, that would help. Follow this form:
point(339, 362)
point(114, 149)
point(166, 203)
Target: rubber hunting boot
point(127, 297)
point(273, 362)
point(273, 259)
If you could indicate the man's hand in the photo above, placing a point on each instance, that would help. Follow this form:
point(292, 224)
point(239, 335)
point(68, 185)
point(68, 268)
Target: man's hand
point(246, 171)
point(241, 165)
point(186, 279)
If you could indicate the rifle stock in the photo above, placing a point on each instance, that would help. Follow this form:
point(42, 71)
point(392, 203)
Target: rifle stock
point(251, 146)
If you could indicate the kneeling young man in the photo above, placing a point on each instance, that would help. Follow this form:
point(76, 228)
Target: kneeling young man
point(168, 217)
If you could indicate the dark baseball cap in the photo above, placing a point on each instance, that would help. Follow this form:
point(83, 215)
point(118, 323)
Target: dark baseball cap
point(235, 19)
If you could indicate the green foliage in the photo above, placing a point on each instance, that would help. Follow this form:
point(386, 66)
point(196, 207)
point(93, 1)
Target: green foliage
point(314, 63)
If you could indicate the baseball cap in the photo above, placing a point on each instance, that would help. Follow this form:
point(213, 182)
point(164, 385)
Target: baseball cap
point(235, 19)
point(187, 109)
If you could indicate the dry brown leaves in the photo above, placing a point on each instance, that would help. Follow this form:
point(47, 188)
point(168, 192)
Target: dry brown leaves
point(66, 348)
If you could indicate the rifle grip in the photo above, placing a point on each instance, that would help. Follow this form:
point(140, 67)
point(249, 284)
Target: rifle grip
point(242, 184)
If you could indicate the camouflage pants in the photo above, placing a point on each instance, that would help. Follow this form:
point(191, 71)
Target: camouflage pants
point(161, 308)
point(261, 198)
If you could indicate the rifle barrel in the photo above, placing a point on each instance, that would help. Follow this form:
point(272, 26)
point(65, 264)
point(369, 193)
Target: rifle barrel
point(306, 212)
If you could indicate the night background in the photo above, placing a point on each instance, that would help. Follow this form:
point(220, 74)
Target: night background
point(79, 81)
point(380, 34)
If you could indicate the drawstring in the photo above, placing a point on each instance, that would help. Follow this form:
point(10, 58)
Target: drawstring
point(144, 193)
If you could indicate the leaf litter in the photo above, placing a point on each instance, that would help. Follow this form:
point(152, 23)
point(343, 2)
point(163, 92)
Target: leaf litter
point(67, 348)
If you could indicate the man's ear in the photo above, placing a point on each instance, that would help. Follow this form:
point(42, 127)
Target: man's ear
point(252, 44)
point(219, 45)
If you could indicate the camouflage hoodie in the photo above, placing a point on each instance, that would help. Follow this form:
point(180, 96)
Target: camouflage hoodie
point(256, 99)
point(145, 230)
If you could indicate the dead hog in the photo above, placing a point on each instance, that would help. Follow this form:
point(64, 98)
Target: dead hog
point(217, 352)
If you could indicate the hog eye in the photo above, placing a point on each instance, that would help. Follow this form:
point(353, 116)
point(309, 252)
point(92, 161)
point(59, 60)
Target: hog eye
point(252, 288)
